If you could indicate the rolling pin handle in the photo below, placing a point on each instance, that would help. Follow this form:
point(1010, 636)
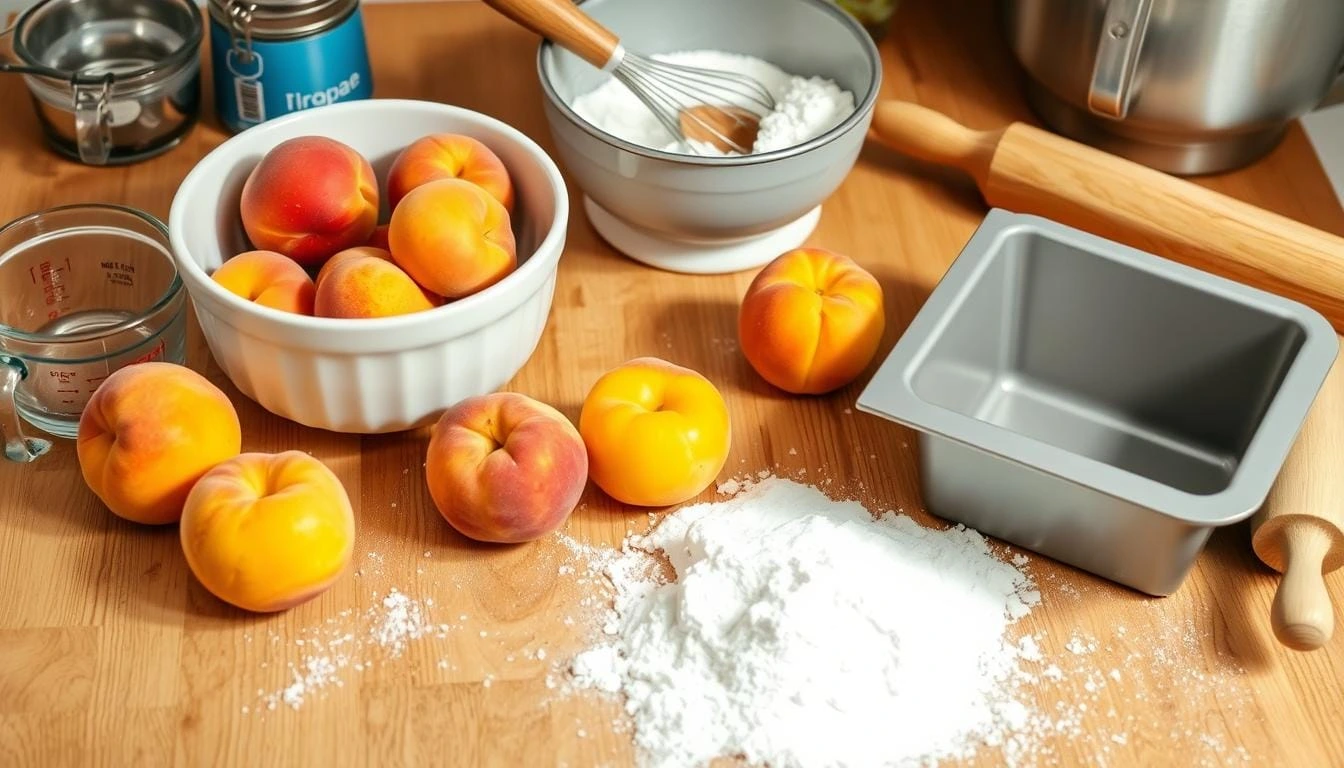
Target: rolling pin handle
point(1301, 615)
point(933, 137)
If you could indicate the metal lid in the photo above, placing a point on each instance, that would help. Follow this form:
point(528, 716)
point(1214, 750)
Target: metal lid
point(281, 18)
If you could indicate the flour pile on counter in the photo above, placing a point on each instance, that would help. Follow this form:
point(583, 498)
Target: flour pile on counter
point(801, 632)
point(805, 107)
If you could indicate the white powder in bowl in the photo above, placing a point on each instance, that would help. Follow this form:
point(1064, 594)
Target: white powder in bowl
point(805, 107)
point(801, 632)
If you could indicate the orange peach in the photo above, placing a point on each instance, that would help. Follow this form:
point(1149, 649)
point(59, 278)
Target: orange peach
point(368, 286)
point(379, 238)
point(266, 532)
point(452, 237)
point(148, 433)
point(811, 321)
point(358, 252)
point(505, 468)
point(308, 198)
point(449, 156)
point(657, 433)
point(269, 279)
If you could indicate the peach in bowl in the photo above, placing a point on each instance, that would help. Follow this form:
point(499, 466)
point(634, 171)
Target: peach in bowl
point(369, 374)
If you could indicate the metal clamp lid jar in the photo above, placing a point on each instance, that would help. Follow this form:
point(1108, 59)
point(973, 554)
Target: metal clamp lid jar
point(113, 81)
point(273, 58)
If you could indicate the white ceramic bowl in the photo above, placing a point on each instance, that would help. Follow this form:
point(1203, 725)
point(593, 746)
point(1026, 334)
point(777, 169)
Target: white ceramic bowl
point(715, 199)
point(370, 375)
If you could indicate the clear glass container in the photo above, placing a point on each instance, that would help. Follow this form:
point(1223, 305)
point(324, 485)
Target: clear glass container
point(84, 290)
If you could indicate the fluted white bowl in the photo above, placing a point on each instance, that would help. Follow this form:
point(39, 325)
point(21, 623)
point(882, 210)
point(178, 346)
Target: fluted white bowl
point(370, 375)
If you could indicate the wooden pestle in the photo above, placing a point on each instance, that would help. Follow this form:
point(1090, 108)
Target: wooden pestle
point(1027, 170)
point(1300, 529)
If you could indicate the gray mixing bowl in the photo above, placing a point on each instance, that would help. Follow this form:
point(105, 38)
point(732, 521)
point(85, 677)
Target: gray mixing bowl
point(715, 198)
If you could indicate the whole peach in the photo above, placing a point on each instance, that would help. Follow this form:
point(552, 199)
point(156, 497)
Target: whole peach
point(811, 321)
point(358, 252)
point(505, 468)
point(269, 279)
point(308, 198)
point(266, 532)
point(148, 433)
point(449, 156)
point(657, 433)
point(368, 286)
point(452, 237)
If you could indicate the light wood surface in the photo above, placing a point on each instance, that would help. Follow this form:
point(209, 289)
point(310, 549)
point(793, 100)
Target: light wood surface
point(1029, 170)
point(1300, 529)
point(111, 654)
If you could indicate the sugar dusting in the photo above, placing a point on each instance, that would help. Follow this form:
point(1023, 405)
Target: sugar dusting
point(1051, 695)
point(350, 642)
point(1052, 699)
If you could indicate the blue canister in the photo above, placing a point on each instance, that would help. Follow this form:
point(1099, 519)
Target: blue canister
point(281, 56)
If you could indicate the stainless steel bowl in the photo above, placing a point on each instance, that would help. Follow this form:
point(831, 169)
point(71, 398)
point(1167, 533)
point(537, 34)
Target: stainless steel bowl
point(1184, 87)
point(130, 75)
point(715, 198)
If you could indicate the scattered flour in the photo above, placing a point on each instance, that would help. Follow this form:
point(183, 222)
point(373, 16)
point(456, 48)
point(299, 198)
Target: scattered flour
point(805, 107)
point(783, 625)
point(402, 620)
point(794, 615)
point(351, 642)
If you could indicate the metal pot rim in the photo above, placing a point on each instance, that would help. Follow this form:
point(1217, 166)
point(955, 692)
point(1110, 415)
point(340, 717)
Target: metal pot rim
point(172, 63)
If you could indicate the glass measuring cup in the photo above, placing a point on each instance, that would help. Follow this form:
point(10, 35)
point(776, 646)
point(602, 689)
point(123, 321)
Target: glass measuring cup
point(84, 290)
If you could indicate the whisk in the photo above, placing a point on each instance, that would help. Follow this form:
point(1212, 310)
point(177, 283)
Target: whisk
point(699, 104)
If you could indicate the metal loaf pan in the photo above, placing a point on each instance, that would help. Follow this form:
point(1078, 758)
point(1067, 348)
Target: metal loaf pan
point(1095, 403)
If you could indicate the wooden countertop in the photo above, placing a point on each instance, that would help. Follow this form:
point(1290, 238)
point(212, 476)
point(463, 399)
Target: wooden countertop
point(110, 653)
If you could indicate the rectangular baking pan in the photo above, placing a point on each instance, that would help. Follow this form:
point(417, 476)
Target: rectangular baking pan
point(1098, 404)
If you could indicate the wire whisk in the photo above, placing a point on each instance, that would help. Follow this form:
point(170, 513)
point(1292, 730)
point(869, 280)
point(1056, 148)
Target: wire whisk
point(698, 105)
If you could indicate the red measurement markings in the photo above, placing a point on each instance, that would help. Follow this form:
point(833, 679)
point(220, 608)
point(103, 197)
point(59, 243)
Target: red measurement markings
point(95, 380)
point(153, 354)
point(52, 278)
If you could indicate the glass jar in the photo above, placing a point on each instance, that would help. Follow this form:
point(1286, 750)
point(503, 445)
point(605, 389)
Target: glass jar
point(277, 57)
point(112, 82)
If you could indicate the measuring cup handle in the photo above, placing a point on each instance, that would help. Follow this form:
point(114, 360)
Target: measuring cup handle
point(17, 447)
point(93, 119)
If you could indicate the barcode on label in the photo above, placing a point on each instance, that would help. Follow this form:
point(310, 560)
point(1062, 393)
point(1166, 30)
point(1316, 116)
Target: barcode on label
point(251, 108)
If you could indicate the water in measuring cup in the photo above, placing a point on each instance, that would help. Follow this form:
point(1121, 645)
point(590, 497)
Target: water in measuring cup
point(112, 45)
point(54, 393)
point(87, 320)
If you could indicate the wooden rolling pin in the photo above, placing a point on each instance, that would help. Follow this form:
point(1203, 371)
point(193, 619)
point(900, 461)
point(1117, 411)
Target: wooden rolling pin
point(1300, 529)
point(1028, 170)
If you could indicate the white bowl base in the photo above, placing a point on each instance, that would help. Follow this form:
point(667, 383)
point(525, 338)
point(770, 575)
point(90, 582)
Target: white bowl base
point(699, 257)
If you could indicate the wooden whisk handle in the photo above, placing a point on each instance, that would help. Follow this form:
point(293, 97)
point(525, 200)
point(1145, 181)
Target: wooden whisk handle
point(561, 22)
